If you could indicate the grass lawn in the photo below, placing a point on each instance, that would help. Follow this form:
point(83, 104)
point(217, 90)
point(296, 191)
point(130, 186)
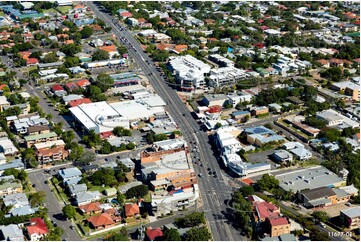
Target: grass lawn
point(51, 10)
point(147, 198)
point(64, 9)
point(98, 188)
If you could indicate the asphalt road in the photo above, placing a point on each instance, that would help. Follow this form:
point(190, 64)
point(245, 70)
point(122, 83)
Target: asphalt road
point(214, 202)
point(54, 206)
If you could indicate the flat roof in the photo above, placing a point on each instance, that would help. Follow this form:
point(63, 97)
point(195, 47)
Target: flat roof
point(49, 144)
point(309, 178)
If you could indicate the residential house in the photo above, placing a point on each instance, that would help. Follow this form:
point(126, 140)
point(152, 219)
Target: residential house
point(37, 229)
point(16, 200)
point(32, 62)
point(111, 49)
point(10, 187)
point(87, 197)
point(77, 188)
point(91, 208)
point(21, 211)
point(11, 232)
point(3, 103)
point(101, 221)
point(58, 90)
point(71, 86)
point(7, 147)
point(78, 102)
point(153, 234)
point(69, 173)
point(351, 217)
point(131, 210)
point(214, 99)
point(14, 164)
point(71, 97)
point(110, 191)
point(83, 83)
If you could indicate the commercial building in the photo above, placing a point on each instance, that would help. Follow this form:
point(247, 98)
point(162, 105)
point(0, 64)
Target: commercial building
point(282, 156)
point(234, 163)
point(226, 140)
point(351, 217)
point(334, 118)
point(260, 135)
point(189, 71)
point(226, 76)
point(221, 61)
point(99, 116)
point(309, 178)
point(214, 99)
point(349, 89)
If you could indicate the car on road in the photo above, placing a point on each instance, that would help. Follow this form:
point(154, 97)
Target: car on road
point(215, 176)
point(72, 227)
point(200, 175)
point(323, 225)
point(348, 204)
point(210, 173)
point(201, 165)
point(209, 169)
point(33, 185)
point(54, 223)
point(118, 157)
point(214, 173)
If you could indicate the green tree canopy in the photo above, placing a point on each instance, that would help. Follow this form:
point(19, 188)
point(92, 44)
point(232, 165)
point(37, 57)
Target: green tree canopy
point(138, 191)
point(198, 234)
point(171, 235)
point(104, 82)
point(86, 32)
point(100, 55)
point(69, 211)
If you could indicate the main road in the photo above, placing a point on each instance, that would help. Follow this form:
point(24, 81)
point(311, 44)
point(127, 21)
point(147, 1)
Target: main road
point(214, 191)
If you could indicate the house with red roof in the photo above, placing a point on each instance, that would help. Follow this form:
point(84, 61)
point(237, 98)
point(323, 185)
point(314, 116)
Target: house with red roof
point(83, 83)
point(32, 62)
point(101, 221)
point(58, 90)
point(131, 210)
point(24, 54)
point(152, 234)
point(77, 102)
point(126, 14)
point(37, 229)
point(91, 208)
point(279, 225)
point(107, 135)
point(71, 86)
point(269, 216)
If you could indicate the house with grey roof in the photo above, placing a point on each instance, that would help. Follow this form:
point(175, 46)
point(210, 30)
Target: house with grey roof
point(16, 164)
point(83, 198)
point(11, 232)
point(301, 153)
point(69, 173)
point(77, 188)
point(126, 187)
point(282, 156)
point(128, 163)
point(20, 211)
point(16, 200)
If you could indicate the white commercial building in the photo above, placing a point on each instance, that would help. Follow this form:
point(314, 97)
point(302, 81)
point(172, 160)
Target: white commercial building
point(190, 72)
point(99, 116)
point(334, 118)
point(226, 76)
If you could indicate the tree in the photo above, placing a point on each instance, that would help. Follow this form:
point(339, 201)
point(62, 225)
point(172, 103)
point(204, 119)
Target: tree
point(198, 234)
point(100, 55)
point(103, 176)
point(130, 146)
point(267, 183)
point(21, 175)
point(160, 137)
point(246, 190)
point(120, 131)
point(69, 211)
point(150, 138)
point(104, 82)
point(121, 236)
point(76, 151)
point(86, 158)
point(171, 234)
point(106, 148)
point(315, 122)
point(138, 191)
point(71, 61)
point(37, 198)
point(321, 216)
point(86, 32)
point(70, 49)
point(218, 125)
point(318, 235)
point(333, 73)
point(51, 57)
point(331, 134)
point(95, 94)
point(191, 220)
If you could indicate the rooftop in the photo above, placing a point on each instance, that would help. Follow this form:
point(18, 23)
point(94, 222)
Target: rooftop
point(308, 178)
point(352, 212)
